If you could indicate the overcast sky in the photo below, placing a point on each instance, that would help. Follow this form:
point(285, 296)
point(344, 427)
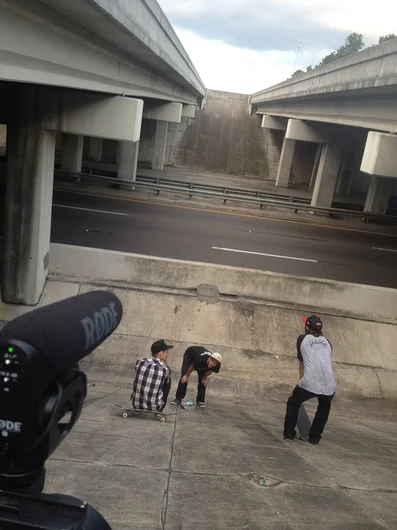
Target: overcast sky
point(246, 45)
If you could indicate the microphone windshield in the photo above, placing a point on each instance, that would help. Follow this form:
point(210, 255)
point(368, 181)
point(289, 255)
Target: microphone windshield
point(69, 330)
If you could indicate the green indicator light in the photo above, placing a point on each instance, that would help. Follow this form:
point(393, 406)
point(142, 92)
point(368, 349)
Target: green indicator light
point(11, 349)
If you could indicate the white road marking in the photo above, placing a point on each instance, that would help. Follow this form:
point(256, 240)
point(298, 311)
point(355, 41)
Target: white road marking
point(264, 254)
point(385, 249)
point(89, 209)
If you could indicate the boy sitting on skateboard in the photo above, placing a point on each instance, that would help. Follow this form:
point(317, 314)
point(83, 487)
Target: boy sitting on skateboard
point(152, 381)
point(204, 362)
point(316, 380)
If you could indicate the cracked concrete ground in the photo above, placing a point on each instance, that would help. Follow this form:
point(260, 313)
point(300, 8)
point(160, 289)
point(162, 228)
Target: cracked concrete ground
point(228, 466)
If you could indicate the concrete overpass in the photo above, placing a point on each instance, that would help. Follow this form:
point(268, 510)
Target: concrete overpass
point(349, 109)
point(86, 68)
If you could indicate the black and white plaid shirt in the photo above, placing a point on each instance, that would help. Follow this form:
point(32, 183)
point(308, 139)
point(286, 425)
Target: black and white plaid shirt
point(147, 391)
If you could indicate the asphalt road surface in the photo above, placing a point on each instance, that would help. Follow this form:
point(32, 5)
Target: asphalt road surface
point(224, 238)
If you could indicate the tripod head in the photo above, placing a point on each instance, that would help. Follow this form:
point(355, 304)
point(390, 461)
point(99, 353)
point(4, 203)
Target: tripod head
point(42, 392)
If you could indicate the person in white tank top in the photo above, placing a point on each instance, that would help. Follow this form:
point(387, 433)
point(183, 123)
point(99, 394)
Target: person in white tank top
point(314, 352)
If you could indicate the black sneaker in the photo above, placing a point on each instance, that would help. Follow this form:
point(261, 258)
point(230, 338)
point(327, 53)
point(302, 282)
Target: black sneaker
point(176, 402)
point(314, 441)
point(288, 439)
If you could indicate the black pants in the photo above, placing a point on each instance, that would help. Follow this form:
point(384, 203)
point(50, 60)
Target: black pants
point(182, 387)
point(166, 391)
point(299, 396)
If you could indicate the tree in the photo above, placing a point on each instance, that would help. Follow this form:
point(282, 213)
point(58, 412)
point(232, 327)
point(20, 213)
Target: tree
point(387, 37)
point(353, 43)
point(297, 73)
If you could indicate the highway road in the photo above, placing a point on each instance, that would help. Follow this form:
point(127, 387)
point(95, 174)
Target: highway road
point(220, 237)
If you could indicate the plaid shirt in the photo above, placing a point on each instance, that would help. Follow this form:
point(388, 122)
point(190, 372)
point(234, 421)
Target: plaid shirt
point(147, 391)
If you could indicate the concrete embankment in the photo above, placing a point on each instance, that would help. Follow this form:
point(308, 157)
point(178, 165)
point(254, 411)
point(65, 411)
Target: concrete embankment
point(251, 317)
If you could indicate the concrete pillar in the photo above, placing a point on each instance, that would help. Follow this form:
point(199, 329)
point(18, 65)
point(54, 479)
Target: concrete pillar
point(29, 187)
point(315, 166)
point(380, 189)
point(171, 112)
point(274, 123)
point(72, 153)
point(128, 160)
point(160, 142)
point(305, 132)
point(95, 149)
point(188, 111)
point(327, 175)
point(345, 174)
point(380, 155)
point(284, 168)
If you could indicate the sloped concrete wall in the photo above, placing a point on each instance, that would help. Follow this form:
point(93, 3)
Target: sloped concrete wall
point(222, 138)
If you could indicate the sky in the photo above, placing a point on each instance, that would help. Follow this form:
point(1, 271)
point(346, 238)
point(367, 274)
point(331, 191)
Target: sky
point(247, 45)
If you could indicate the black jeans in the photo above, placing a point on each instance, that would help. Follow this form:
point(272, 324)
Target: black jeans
point(182, 387)
point(299, 396)
point(166, 391)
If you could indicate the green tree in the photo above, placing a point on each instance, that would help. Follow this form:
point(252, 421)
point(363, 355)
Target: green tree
point(353, 43)
point(297, 73)
point(387, 37)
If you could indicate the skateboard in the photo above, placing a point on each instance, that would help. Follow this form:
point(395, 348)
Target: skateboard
point(162, 416)
point(303, 424)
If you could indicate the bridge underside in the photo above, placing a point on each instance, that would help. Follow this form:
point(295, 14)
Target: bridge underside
point(374, 109)
point(41, 46)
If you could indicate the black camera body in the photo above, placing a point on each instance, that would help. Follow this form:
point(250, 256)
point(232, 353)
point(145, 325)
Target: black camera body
point(42, 391)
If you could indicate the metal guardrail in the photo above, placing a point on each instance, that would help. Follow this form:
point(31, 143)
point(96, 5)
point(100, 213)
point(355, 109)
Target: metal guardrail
point(222, 189)
point(109, 168)
point(227, 194)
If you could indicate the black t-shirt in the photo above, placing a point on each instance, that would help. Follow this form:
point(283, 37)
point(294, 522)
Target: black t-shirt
point(199, 356)
point(298, 346)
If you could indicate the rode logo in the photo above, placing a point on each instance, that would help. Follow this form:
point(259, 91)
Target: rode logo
point(100, 324)
point(10, 427)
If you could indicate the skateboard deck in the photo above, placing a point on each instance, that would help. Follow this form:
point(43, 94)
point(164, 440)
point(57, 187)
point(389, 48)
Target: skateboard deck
point(303, 424)
point(162, 416)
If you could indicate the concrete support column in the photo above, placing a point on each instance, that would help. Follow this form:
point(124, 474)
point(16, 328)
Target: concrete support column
point(29, 187)
point(188, 111)
point(380, 155)
point(380, 189)
point(345, 174)
point(128, 160)
point(160, 142)
point(95, 149)
point(315, 166)
point(327, 175)
point(274, 123)
point(72, 153)
point(284, 168)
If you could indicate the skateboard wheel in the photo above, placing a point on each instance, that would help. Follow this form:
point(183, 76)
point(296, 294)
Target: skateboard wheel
point(162, 420)
point(125, 415)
